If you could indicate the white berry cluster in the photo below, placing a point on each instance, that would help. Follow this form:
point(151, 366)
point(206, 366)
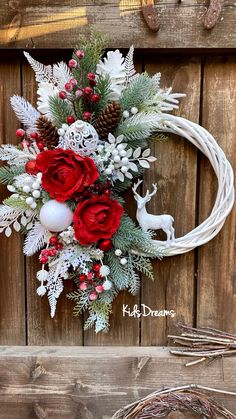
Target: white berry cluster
point(117, 162)
point(133, 111)
point(27, 188)
point(123, 260)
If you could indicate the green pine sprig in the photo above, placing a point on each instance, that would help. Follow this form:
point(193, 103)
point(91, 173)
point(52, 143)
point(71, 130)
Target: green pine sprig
point(7, 174)
point(60, 109)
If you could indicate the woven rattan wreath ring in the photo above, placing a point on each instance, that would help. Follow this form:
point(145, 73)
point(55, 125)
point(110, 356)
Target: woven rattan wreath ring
point(205, 142)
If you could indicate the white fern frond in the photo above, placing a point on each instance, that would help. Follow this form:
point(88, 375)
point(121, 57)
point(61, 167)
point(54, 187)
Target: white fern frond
point(61, 74)
point(147, 120)
point(129, 65)
point(35, 239)
point(25, 112)
point(163, 101)
point(20, 180)
point(42, 72)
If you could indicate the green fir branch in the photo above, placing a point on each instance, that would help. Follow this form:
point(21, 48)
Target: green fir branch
point(59, 109)
point(16, 203)
point(103, 88)
point(134, 279)
point(99, 313)
point(7, 174)
point(138, 91)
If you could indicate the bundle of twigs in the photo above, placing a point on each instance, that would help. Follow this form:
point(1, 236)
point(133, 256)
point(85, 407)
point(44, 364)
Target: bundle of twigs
point(187, 399)
point(203, 343)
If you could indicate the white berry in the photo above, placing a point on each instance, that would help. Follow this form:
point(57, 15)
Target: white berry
point(124, 169)
point(36, 185)
point(36, 194)
point(118, 252)
point(134, 110)
point(65, 126)
point(117, 159)
point(108, 171)
point(123, 153)
point(11, 188)
point(61, 132)
point(104, 270)
point(115, 152)
point(123, 261)
point(42, 275)
point(126, 114)
point(33, 206)
point(26, 189)
point(107, 285)
point(125, 160)
point(111, 166)
point(28, 179)
point(29, 200)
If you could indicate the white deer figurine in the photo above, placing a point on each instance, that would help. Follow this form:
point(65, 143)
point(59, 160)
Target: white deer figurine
point(152, 222)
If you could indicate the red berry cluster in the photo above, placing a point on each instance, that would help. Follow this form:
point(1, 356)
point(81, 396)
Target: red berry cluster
point(74, 92)
point(26, 140)
point(95, 189)
point(56, 246)
point(91, 282)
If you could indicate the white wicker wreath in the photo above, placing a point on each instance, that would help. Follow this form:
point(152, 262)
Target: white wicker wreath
point(205, 142)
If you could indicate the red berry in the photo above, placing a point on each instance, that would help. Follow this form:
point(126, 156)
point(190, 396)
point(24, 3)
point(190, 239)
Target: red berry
point(82, 277)
point(53, 240)
point(70, 119)
point(107, 192)
point(30, 167)
point(91, 76)
point(88, 90)
point(52, 252)
point(87, 116)
point(62, 95)
point(72, 63)
point(79, 54)
point(41, 145)
point(105, 245)
point(20, 133)
point(68, 87)
point(73, 82)
point(59, 246)
point(95, 98)
point(90, 276)
point(25, 143)
point(93, 296)
point(79, 93)
point(44, 252)
point(83, 286)
point(99, 289)
point(96, 267)
point(44, 259)
point(34, 135)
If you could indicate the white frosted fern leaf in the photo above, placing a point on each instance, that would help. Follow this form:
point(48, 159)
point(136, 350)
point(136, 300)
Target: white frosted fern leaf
point(15, 156)
point(61, 74)
point(42, 72)
point(25, 112)
point(8, 216)
point(129, 65)
point(35, 240)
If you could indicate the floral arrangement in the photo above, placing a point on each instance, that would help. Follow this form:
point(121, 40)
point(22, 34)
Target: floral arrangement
point(78, 151)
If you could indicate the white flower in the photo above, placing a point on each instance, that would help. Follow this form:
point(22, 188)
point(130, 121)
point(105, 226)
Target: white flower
point(113, 65)
point(45, 90)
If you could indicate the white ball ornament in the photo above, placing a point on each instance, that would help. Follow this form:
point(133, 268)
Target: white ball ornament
point(55, 216)
point(42, 275)
point(81, 137)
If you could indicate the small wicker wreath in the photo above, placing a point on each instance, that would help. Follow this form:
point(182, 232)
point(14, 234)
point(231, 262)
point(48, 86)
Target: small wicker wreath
point(205, 142)
point(193, 399)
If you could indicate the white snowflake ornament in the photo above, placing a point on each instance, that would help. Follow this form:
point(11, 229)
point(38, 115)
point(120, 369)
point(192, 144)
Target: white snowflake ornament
point(81, 137)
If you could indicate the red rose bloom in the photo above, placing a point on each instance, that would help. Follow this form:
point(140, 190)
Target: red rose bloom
point(65, 173)
point(96, 218)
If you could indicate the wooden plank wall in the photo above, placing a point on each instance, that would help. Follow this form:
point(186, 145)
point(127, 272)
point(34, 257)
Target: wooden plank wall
point(199, 286)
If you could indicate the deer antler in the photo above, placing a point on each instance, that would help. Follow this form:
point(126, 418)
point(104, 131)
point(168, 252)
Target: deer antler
point(154, 185)
point(135, 186)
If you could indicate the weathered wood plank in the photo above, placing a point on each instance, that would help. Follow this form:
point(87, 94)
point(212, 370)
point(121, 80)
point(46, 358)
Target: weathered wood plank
point(12, 282)
point(82, 382)
point(42, 330)
point(40, 23)
point(217, 267)
point(175, 173)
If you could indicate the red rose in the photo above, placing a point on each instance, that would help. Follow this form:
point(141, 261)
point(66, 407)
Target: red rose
point(97, 218)
point(65, 173)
